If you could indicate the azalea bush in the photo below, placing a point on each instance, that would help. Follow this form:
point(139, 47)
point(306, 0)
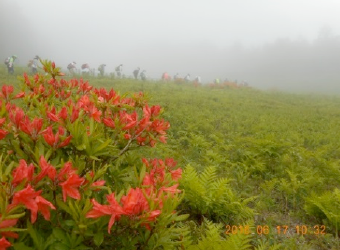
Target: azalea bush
point(66, 181)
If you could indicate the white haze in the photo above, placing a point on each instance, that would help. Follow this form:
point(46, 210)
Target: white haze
point(290, 45)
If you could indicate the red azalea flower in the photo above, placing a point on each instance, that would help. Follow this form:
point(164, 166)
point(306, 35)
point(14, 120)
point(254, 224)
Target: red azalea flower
point(160, 126)
point(170, 163)
point(53, 140)
point(46, 170)
point(16, 115)
point(134, 202)
point(130, 120)
point(70, 187)
point(7, 90)
point(84, 87)
point(63, 113)
point(109, 122)
point(3, 134)
point(31, 128)
point(95, 113)
point(8, 223)
point(114, 209)
point(49, 136)
point(155, 110)
point(162, 139)
point(52, 115)
point(176, 174)
point(29, 198)
point(152, 215)
point(20, 95)
point(75, 114)
point(22, 172)
point(66, 171)
point(44, 207)
point(98, 183)
point(98, 210)
point(4, 243)
point(173, 189)
point(2, 120)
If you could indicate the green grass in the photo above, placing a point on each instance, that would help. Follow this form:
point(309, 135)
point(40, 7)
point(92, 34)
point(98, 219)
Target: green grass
point(280, 149)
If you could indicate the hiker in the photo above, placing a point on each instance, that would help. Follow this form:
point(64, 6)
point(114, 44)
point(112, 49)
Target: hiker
point(136, 72)
point(101, 69)
point(165, 76)
point(10, 63)
point(143, 75)
point(187, 78)
point(198, 79)
point(176, 76)
point(71, 67)
point(34, 65)
point(85, 68)
point(119, 70)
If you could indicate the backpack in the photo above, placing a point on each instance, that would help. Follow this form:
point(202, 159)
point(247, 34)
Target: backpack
point(7, 60)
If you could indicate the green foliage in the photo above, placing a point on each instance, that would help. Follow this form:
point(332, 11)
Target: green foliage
point(212, 197)
point(211, 236)
point(61, 186)
point(326, 205)
point(283, 149)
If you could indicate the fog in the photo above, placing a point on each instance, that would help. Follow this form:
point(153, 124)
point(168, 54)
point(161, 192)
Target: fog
point(289, 45)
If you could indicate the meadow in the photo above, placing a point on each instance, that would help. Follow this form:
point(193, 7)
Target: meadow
point(261, 169)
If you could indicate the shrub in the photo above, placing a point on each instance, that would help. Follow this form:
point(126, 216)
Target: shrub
point(60, 144)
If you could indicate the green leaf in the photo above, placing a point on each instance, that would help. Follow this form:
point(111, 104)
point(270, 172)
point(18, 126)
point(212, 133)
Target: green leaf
point(64, 207)
point(81, 147)
point(69, 223)
point(61, 236)
point(37, 240)
point(102, 146)
point(15, 216)
point(98, 238)
point(9, 168)
point(21, 246)
point(142, 173)
point(60, 246)
point(18, 150)
point(181, 217)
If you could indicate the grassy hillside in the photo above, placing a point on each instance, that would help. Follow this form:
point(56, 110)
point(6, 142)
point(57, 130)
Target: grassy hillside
point(264, 160)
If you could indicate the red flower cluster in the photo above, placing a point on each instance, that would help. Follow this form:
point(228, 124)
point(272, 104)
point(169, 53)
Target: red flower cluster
point(42, 127)
point(136, 203)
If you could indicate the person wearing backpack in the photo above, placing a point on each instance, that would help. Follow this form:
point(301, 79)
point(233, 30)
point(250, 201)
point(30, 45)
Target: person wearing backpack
point(34, 65)
point(101, 69)
point(187, 78)
point(71, 67)
point(119, 70)
point(10, 63)
point(136, 73)
point(143, 75)
point(85, 69)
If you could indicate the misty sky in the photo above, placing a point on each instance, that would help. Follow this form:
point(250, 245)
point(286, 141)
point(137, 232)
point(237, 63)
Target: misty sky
point(268, 43)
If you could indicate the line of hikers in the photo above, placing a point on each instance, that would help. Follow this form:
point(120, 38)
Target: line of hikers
point(177, 78)
point(119, 70)
point(33, 64)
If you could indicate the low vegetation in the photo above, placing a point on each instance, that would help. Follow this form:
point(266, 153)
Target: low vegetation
point(260, 170)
